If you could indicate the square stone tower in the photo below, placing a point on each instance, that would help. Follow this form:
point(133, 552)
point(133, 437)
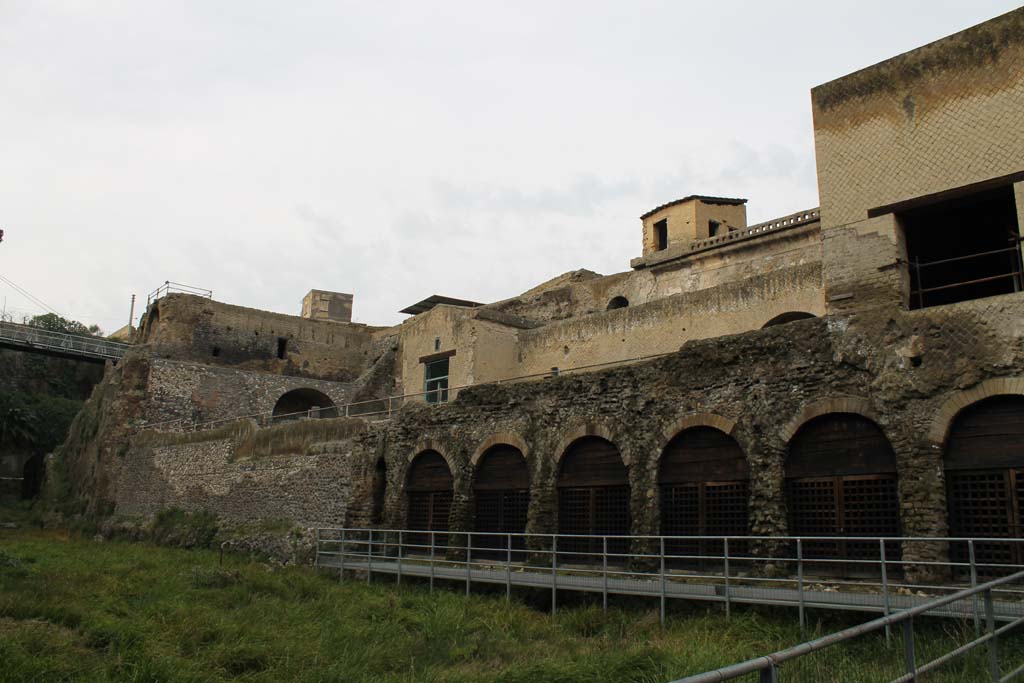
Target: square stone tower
point(333, 306)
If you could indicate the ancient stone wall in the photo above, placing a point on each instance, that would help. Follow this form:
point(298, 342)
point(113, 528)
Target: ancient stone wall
point(942, 116)
point(186, 327)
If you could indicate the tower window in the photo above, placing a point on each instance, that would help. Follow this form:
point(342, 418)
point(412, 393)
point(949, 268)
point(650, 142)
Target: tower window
point(713, 227)
point(661, 234)
point(282, 347)
point(436, 381)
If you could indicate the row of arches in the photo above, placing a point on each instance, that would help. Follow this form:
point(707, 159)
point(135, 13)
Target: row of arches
point(840, 479)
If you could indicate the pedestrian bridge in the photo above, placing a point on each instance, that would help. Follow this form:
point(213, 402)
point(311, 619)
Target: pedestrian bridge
point(27, 337)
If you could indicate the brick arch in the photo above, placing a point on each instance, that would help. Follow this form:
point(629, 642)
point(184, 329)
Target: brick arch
point(719, 422)
point(431, 445)
point(955, 404)
point(501, 437)
point(589, 428)
point(836, 404)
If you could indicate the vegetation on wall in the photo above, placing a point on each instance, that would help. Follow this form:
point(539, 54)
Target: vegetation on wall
point(36, 423)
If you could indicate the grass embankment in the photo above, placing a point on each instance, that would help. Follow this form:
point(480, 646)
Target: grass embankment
point(73, 609)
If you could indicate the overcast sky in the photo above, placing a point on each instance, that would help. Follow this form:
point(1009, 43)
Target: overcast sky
point(397, 150)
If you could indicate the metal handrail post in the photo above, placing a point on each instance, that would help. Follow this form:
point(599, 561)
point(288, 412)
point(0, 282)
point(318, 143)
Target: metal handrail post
point(993, 644)
point(604, 572)
point(554, 574)
point(316, 558)
point(369, 557)
point(769, 675)
point(885, 589)
point(662, 545)
point(431, 561)
point(399, 577)
point(974, 584)
point(800, 584)
point(909, 656)
point(508, 569)
point(728, 601)
point(469, 560)
point(341, 569)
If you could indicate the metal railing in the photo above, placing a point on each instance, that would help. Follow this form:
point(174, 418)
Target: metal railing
point(60, 342)
point(382, 408)
point(1015, 274)
point(756, 570)
point(169, 287)
point(768, 666)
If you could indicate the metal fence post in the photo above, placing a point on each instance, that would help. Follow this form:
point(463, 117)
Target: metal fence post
point(662, 546)
point(800, 584)
point(369, 557)
point(885, 589)
point(909, 657)
point(554, 574)
point(316, 558)
point(399, 578)
point(341, 569)
point(769, 675)
point(974, 584)
point(990, 629)
point(508, 570)
point(604, 572)
point(431, 561)
point(469, 559)
point(728, 602)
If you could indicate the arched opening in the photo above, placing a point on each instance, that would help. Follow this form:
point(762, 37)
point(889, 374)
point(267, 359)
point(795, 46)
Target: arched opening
point(379, 491)
point(303, 403)
point(429, 499)
point(593, 497)
point(984, 462)
point(501, 492)
point(32, 475)
point(703, 480)
point(841, 481)
point(787, 317)
point(618, 302)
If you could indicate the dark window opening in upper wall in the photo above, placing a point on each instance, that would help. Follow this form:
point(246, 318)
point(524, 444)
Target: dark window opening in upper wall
point(713, 227)
point(962, 249)
point(661, 234)
point(282, 347)
point(215, 351)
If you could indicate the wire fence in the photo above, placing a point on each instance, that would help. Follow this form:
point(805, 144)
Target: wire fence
point(169, 287)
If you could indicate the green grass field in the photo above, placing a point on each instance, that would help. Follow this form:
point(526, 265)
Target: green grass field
point(72, 609)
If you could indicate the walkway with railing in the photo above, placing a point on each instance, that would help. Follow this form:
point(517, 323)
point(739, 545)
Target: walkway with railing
point(38, 339)
point(169, 287)
point(768, 570)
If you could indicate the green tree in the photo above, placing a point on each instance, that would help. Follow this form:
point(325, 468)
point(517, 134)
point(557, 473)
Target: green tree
point(17, 426)
point(55, 323)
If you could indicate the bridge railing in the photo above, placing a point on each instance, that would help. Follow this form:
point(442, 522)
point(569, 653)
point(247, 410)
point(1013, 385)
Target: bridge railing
point(770, 668)
point(38, 338)
point(729, 570)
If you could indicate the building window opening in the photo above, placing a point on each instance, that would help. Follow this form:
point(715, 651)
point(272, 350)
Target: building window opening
point(618, 302)
point(282, 347)
point(215, 351)
point(962, 249)
point(436, 381)
point(661, 234)
point(713, 227)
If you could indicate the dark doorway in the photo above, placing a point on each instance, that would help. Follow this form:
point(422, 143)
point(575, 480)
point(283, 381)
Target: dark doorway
point(964, 248)
point(593, 499)
point(429, 499)
point(33, 475)
point(984, 462)
point(703, 478)
point(302, 403)
point(841, 481)
point(501, 489)
point(380, 489)
point(618, 302)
